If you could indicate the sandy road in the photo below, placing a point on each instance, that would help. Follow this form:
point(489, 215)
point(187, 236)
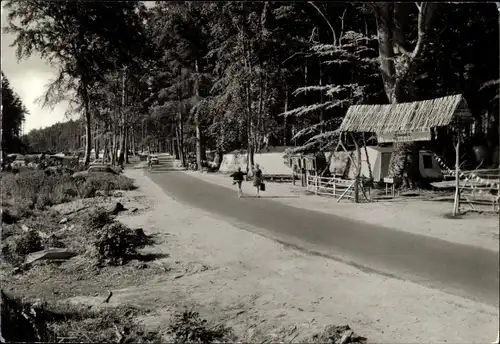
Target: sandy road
point(463, 270)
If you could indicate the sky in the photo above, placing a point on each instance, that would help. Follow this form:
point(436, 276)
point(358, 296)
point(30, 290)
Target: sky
point(28, 79)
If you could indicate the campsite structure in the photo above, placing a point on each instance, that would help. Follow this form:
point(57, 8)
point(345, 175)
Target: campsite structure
point(410, 122)
point(402, 122)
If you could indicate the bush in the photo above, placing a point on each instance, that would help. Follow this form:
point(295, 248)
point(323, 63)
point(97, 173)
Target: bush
point(188, 327)
point(28, 242)
point(8, 218)
point(98, 219)
point(115, 243)
point(53, 242)
point(17, 247)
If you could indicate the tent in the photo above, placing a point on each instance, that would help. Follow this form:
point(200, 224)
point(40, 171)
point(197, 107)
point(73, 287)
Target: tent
point(378, 159)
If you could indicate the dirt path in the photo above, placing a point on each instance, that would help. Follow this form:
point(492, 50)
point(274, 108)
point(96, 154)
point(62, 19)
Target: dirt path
point(261, 287)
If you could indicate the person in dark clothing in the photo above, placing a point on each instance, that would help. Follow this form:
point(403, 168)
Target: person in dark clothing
point(257, 178)
point(238, 178)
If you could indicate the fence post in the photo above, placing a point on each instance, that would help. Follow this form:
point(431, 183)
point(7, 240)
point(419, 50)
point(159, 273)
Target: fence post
point(316, 184)
point(334, 188)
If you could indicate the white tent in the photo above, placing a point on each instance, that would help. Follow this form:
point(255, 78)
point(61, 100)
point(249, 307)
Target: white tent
point(378, 159)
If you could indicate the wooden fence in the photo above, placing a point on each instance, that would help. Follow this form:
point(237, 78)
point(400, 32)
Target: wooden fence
point(336, 187)
point(480, 195)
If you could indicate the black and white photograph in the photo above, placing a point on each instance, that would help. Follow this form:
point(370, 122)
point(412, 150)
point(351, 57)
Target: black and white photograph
point(183, 172)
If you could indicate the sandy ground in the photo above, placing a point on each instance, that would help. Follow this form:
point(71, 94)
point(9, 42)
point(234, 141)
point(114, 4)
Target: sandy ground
point(259, 287)
point(415, 216)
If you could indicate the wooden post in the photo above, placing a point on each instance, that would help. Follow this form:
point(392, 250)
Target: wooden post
point(316, 184)
point(456, 205)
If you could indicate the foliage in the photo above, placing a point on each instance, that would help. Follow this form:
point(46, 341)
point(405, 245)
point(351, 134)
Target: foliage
point(59, 137)
point(12, 117)
point(222, 76)
point(17, 247)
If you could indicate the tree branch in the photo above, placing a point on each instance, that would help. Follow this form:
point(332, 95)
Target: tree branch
point(342, 27)
point(327, 21)
point(425, 13)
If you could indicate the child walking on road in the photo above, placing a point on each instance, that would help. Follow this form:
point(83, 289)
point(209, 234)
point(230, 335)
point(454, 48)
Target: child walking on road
point(238, 178)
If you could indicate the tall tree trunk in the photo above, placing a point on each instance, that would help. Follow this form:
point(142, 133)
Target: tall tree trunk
point(121, 158)
point(285, 124)
point(105, 154)
point(250, 133)
point(133, 142)
point(126, 146)
point(97, 141)
point(322, 112)
point(88, 124)
point(197, 122)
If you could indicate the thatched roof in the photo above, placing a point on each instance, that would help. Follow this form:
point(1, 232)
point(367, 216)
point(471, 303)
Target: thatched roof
point(408, 117)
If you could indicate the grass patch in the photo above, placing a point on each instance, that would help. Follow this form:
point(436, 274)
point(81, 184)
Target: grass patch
point(38, 189)
point(62, 322)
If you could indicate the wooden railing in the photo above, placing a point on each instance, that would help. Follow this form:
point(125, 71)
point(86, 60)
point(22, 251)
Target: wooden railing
point(335, 187)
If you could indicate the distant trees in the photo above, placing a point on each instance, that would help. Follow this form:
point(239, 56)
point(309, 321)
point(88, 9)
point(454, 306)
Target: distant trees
point(84, 40)
point(60, 137)
point(12, 117)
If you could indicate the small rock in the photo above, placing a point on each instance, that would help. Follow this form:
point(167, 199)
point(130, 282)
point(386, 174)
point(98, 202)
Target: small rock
point(101, 193)
point(118, 208)
point(118, 194)
point(25, 228)
point(49, 254)
point(346, 337)
point(63, 221)
point(133, 210)
point(43, 235)
point(139, 232)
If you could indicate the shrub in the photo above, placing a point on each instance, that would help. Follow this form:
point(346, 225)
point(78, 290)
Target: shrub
point(17, 247)
point(28, 242)
point(8, 218)
point(115, 243)
point(53, 242)
point(188, 327)
point(98, 219)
